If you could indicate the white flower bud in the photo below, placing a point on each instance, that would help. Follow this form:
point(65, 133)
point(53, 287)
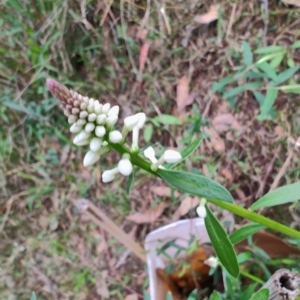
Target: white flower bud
point(105, 108)
point(115, 136)
point(109, 175)
point(114, 111)
point(131, 121)
point(83, 114)
point(100, 131)
point(81, 122)
point(76, 104)
point(111, 120)
point(84, 142)
point(125, 167)
point(142, 120)
point(72, 119)
point(66, 113)
point(101, 119)
point(75, 128)
point(201, 211)
point(95, 144)
point(171, 156)
point(75, 110)
point(92, 117)
point(90, 108)
point(213, 262)
point(83, 106)
point(97, 107)
point(150, 154)
point(89, 127)
point(90, 158)
point(81, 136)
point(91, 102)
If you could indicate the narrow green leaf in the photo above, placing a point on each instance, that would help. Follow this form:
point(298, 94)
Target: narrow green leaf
point(287, 74)
point(249, 291)
point(148, 131)
point(218, 86)
point(296, 45)
point(261, 295)
point(265, 67)
point(189, 150)
point(282, 195)
point(244, 232)
point(242, 88)
point(167, 120)
point(221, 243)
point(215, 296)
point(129, 182)
point(254, 75)
point(268, 49)
point(33, 296)
point(276, 61)
point(247, 53)
point(259, 97)
point(252, 216)
point(195, 184)
point(268, 102)
point(294, 88)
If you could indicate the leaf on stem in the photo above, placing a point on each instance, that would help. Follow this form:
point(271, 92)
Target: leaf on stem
point(282, 195)
point(196, 184)
point(261, 295)
point(221, 243)
point(244, 232)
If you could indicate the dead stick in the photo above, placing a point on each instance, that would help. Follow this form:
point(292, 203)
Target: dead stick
point(283, 285)
point(99, 218)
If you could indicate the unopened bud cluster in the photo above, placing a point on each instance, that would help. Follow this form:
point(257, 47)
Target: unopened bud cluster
point(93, 123)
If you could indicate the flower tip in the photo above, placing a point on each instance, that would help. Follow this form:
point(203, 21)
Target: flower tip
point(213, 262)
point(90, 158)
point(172, 156)
point(51, 84)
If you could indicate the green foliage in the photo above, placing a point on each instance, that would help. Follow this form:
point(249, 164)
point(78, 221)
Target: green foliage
point(222, 245)
point(244, 232)
point(268, 60)
point(261, 295)
point(285, 194)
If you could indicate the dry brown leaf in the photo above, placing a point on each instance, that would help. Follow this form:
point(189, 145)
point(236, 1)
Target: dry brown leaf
point(163, 191)
point(210, 16)
point(182, 93)
point(148, 216)
point(215, 140)
point(102, 289)
point(185, 205)
point(132, 297)
point(292, 2)
point(222, 122)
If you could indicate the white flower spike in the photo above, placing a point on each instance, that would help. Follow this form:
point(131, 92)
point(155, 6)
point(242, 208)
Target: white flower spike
point(150, 154)
point(213, 262)
point(109, 175)
point(169, 156)
point(201, 210)
point(115, 136)
point(125, 165)
point(90, 158)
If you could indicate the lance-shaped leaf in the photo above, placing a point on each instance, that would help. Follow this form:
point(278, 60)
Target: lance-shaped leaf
point(196, 184)
point(282, 195)
point(221, 243)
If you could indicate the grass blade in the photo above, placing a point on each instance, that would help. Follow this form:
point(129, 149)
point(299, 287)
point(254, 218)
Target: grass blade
point(285, 75)
point(265, 67)
point(218, 86)
point(244, 232)
point(268, 49)
point(247, 54)
point(242, 88)
point(268, 102)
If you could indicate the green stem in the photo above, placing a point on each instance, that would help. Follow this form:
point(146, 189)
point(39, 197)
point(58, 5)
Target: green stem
point(242, 212)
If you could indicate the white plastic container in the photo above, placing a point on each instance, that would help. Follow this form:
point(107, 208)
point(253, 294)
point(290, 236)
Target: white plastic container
point(181, 231)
